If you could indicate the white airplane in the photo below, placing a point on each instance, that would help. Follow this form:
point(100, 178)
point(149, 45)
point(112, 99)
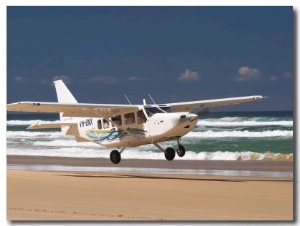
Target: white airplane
point(122, 126)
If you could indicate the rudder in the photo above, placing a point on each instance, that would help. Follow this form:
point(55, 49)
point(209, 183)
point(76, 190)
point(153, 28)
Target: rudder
point(64, 96)
point(63, 93)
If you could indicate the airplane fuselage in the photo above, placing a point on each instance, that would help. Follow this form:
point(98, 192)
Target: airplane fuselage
point(158, 127)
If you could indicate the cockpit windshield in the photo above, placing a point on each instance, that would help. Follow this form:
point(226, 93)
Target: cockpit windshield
point(150, 110)
point(166, 109)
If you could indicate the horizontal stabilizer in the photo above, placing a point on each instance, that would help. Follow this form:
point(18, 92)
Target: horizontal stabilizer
point(53, 125)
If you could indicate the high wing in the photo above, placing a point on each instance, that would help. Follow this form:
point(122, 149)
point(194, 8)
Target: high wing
point(73, 109)
point(109, 110)
point(189, 106)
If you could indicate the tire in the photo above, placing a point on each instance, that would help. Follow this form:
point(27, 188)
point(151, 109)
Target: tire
point(180, 151)
point(170, 154)
point(115, 157)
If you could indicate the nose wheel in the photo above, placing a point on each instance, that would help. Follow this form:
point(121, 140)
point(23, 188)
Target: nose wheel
point(170, 152)
point(180, 150)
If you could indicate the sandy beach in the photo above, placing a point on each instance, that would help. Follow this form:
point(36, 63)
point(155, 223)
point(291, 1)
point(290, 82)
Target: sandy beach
point(99, 196)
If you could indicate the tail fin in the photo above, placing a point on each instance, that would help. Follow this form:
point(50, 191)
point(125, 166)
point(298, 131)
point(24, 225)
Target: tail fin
point(63, 93)
point(64, 96)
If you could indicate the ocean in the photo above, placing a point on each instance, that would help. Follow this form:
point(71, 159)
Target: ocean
point(219, 136)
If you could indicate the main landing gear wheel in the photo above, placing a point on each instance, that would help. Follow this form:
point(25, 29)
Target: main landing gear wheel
point(170, 154)
point(180, 151)
point(115, 157)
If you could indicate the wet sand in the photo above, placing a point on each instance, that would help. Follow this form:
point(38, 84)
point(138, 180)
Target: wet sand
point(149, 163)
point(97, 196)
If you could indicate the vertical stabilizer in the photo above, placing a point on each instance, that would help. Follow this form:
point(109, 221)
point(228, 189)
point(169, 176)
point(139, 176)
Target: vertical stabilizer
point(63, 93)
point(64, 96)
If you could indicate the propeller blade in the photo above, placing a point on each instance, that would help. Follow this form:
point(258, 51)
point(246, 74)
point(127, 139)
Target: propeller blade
point(202, 112)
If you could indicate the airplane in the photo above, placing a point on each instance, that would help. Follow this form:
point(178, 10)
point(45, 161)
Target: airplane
point(121, 126)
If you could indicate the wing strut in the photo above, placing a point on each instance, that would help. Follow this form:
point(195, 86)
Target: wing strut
point(152, 99)
point(127, 99)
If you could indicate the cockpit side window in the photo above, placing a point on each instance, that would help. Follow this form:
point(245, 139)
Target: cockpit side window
point(141, 118)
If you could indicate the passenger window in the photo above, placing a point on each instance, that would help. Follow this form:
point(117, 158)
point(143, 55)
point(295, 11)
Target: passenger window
point(129, 118)
point(105, 124)
point(117, 120)
point(141, 118)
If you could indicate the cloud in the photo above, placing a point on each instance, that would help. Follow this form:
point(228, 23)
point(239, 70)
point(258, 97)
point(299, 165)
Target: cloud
point(104, 79)
point(287, 74)
point(189, 75)
point(20, 79)
point(246, 74)
point(42, 81)
point(134, 78)
point(273, 78)
point(24, 79)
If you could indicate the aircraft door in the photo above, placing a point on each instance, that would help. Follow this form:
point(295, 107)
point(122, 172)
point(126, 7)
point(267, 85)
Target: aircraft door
point(141, 118)
point(142, 121)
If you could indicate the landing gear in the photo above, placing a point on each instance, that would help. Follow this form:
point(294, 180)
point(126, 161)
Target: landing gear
point(180, 151)
point(170, 154)
point(115, 157)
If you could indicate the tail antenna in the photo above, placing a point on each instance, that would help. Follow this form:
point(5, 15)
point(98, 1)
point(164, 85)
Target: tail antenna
point(127, 99)
point(152, 99)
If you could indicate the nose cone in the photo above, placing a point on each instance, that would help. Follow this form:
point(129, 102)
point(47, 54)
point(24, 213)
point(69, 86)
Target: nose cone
point(192, 117)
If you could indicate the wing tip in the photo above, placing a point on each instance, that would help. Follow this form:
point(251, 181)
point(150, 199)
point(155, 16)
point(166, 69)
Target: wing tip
point(258, 97)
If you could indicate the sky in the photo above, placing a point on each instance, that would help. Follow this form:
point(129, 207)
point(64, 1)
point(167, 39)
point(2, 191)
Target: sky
point(176, 54)
point(173, 53)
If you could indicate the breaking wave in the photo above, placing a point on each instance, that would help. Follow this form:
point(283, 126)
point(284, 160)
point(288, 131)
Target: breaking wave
point(236, 138)
point(210, 133)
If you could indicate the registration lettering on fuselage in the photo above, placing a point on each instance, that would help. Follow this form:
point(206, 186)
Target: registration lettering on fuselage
point(86, 122)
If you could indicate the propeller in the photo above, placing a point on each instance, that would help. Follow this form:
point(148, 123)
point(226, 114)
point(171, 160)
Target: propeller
point(202, 112)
